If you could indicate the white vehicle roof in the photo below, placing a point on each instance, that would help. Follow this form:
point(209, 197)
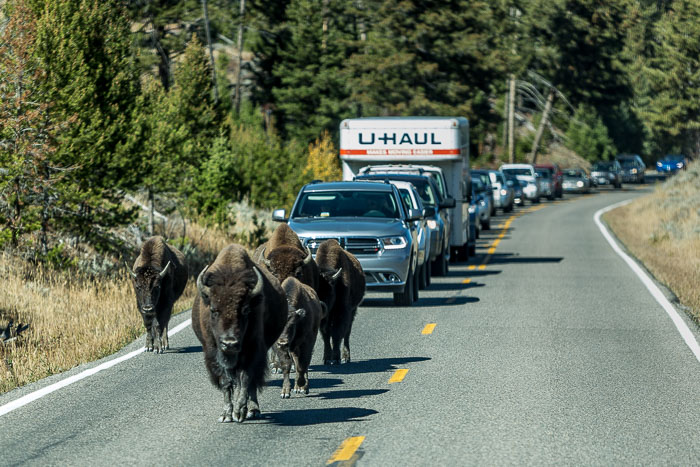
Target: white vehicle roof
point(404, 122)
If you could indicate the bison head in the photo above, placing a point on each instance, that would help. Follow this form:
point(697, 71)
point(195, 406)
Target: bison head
point(230, 299)
point(147, 285)
point(290, 328)
point(287, 261)
point(326, 286)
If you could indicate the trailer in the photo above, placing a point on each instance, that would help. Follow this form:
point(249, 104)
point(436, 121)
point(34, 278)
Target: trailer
point(441, 142)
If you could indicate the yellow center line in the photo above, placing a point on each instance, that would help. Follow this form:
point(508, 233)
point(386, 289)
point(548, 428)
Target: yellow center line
point(346, 449)
point(398, 376)
point(472, 267)
point(482, 267)
point(466, 281)
point(429, 328)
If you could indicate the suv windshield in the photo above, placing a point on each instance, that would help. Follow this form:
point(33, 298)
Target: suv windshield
point(517, 171)
point(603, 166)
point(572, 173)
point(347, 204)
point(544, 173)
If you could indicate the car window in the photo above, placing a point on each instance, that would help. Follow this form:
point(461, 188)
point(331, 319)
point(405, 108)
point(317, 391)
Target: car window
point(407, 200)
point(517, 171)
point(544, 173)
point(347, 204)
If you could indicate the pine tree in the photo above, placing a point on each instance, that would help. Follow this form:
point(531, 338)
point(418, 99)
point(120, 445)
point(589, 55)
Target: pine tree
point(29, 191)
point(85, 49)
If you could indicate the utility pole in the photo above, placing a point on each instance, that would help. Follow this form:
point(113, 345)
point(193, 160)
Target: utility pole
point(211, 51)
point(543, 122)
point(511, 121)
point(241, 26)
point(505, 116)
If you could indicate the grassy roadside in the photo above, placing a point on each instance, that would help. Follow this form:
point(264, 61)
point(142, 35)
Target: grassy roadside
point(663, 231)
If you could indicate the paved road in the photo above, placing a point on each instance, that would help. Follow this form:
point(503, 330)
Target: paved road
point(553, 352)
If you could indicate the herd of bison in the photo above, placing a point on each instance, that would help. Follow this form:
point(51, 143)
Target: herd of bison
point(254, 313)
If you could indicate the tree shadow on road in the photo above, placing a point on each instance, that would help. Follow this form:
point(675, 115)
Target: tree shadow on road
point(189, 349)
point(304, 417)
point(423, 301)
point(504, 258)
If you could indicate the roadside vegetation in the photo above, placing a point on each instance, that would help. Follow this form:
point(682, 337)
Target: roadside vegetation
point(663, 231)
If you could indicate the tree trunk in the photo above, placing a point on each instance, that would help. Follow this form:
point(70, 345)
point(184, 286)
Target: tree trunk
point(543, 123)
point(511, 121)
point(241, 26)
point(211, 51)
point(151, 210)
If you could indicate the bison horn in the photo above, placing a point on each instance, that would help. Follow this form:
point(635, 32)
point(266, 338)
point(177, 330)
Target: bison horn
point(337, 274)
point(133, 274)
point(308, 258)
point(165, 270)
point(200, 285)
point(267, 263)
point(258, 284)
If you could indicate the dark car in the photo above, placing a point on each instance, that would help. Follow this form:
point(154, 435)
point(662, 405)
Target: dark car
point(607, 173)
point(440, 227)
point(671, 163)
point(632, 168)
point(576, 181)
point(483, 174)
point(514, 183)
point(556, 176)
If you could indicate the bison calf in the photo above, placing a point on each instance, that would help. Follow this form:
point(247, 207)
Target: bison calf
point(159, 276)
point(341, 288)
point(299, 335)
point(238, 315)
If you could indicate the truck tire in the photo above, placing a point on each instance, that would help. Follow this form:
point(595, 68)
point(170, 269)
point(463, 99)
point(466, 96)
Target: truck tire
point(405, 298)
point(416, 279)
point(472, 250)
point(423, 276)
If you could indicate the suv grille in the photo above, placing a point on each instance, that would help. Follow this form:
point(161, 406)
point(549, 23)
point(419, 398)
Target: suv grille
point(354, 245)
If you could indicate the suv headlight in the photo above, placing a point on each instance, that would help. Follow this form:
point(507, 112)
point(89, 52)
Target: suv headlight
point(432, 224)
point(394, 243)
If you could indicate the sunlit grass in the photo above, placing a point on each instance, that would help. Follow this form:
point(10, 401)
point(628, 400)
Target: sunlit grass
point(663, 231)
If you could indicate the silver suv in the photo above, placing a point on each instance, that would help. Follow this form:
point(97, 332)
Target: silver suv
point(369, 220)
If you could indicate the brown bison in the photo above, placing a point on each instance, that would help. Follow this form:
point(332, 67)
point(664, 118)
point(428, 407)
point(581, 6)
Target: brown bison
point(283, 235)
point(299, 335)
point(159, 276)
point(288, 261)
point(238, 314)
point(341, 288)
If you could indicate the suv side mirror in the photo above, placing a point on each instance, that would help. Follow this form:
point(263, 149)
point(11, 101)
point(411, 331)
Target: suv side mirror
point(414, 215)
point(279, 215)
point(448, 203)
point(429, 212)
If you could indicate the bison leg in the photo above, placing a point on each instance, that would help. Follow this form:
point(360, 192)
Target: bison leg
point(327, 348)
point(286, 364)
point(253, 407)
point(335, 358)
point(240, 403)
point(228, 406)
point(148, 323)
point(301, 382)
point(165, 343)
point(346, 348)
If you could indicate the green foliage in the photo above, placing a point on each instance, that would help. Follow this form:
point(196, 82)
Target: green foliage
point(84, 47)
point(588, 136)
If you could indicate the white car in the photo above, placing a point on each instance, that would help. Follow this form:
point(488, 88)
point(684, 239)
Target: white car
point(527, 175)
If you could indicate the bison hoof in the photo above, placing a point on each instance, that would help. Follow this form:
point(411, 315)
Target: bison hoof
point(293, 369)
point(285, 395)
point(252, 414)
point(345, 360)
point(225, 418)
point(332, 362)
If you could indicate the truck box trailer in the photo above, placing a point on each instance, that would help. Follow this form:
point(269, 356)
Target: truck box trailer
point(437, 141)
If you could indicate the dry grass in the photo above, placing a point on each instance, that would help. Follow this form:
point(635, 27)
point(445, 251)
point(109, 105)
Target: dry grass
point(663, 231)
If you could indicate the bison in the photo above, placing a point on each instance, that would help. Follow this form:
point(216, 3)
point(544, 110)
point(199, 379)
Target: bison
point(238, 314)
point(283, 235)
point(341, 288)
point(159, 276)
point(288, 261)
point(299, 335)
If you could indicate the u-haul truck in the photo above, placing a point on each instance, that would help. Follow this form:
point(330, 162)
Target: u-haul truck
point(435, 141)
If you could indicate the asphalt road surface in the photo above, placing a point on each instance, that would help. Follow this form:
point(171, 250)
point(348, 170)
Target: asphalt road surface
point(545, 349)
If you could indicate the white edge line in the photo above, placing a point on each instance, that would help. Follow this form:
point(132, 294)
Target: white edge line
point(31, 397)
point(682, 328)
